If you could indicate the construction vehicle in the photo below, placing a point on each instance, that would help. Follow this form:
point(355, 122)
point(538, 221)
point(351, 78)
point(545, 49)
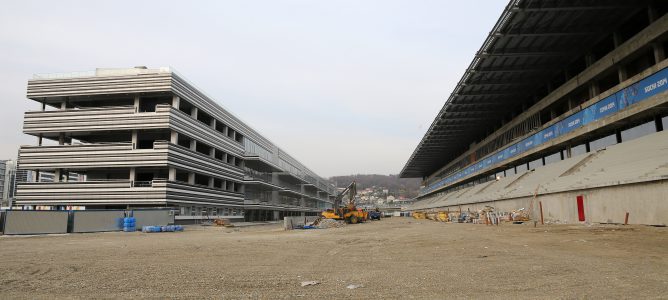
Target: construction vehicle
point(350, 213)
point(375, 214)
point(419, 215)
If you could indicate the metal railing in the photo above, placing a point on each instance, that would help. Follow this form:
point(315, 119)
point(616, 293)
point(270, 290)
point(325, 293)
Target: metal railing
point(102, 73)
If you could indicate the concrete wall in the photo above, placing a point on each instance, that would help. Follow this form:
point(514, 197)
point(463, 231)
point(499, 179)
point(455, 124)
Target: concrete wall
point(646, 203)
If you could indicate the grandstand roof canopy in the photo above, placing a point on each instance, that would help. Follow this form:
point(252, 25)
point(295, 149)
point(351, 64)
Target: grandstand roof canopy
point(531, 43)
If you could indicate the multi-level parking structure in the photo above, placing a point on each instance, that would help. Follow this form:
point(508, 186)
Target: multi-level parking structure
point(144, 137)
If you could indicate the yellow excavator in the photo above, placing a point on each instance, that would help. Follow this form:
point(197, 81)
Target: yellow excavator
point(350, 213)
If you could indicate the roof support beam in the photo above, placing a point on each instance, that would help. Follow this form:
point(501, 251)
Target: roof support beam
point(570, 8)
point(481, 103)
point(492, 93)
point(542, 34)
point(518, 69)
point(521, 53)
point(514, 82)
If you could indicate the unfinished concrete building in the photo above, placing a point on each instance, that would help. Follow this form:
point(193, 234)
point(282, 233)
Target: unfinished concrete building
point(565, 106)
point(143, 137)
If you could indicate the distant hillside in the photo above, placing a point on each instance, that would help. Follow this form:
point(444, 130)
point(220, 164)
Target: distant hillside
point(407, 187)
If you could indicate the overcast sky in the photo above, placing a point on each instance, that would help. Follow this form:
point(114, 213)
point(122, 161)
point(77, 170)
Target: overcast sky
point(346, 87)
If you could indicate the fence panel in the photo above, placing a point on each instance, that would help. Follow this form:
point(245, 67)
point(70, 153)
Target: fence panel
point(153, 217)
point(97, 220)
point(35, 222)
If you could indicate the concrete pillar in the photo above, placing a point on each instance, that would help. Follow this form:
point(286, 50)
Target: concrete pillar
point(135, 138)
point(191, 178)
point(193, 145)
point(176, 102)
point(63, 105)
point(39, 140)
point(194, 112)
point(659, 53)
point(652, 14)
point(212, 152)
point(276, 215)
point(172, 174)
point(213, 123)
point(43, 106)
point(658, 123)
point(594, 89)
point(275, 197)
point(569, 152)
point(66, 176)
point(593, 86)
point(210, 182)
point(587, 148)
point(56, 175)
point(61, 139)
point(35, 176)
point(616, 39)
point(302, 200)
point(174, 137)
point(621, 73)
point(618, 136)
point(136, 103)
point(133, 174)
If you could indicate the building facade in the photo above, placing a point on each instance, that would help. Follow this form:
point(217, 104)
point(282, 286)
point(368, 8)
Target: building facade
point(556, 92)
point(148, 138)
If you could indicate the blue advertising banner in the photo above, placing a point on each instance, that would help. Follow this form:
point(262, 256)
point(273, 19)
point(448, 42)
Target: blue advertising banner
point(500, 156)
point(569, 124)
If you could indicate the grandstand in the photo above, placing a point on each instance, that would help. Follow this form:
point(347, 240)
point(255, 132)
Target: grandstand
point(564, 100)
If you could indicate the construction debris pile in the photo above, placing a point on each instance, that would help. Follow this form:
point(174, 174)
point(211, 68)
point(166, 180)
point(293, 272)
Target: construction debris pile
point(328, 223)
point(487, 215)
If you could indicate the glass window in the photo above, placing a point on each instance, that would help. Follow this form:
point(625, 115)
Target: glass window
point(254, 148)
point(536, 163)
point(638, 131)
point(510, 171)
point(521, 168)
point(602, 142)
point(552, 158)
point(579, 149)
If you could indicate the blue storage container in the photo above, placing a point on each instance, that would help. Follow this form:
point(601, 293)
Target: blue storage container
point(151, 229)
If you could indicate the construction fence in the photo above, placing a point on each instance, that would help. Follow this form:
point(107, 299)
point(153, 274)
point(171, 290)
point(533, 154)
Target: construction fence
point(77, 221)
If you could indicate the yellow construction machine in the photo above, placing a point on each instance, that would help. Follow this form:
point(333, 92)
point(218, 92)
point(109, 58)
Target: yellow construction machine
point(419, 215)
point(350, 213)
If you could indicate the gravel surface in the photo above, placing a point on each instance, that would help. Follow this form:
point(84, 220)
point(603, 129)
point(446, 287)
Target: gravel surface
point(391, 258)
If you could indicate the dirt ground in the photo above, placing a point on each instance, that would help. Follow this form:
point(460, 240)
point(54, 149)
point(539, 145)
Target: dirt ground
point(391, 258)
